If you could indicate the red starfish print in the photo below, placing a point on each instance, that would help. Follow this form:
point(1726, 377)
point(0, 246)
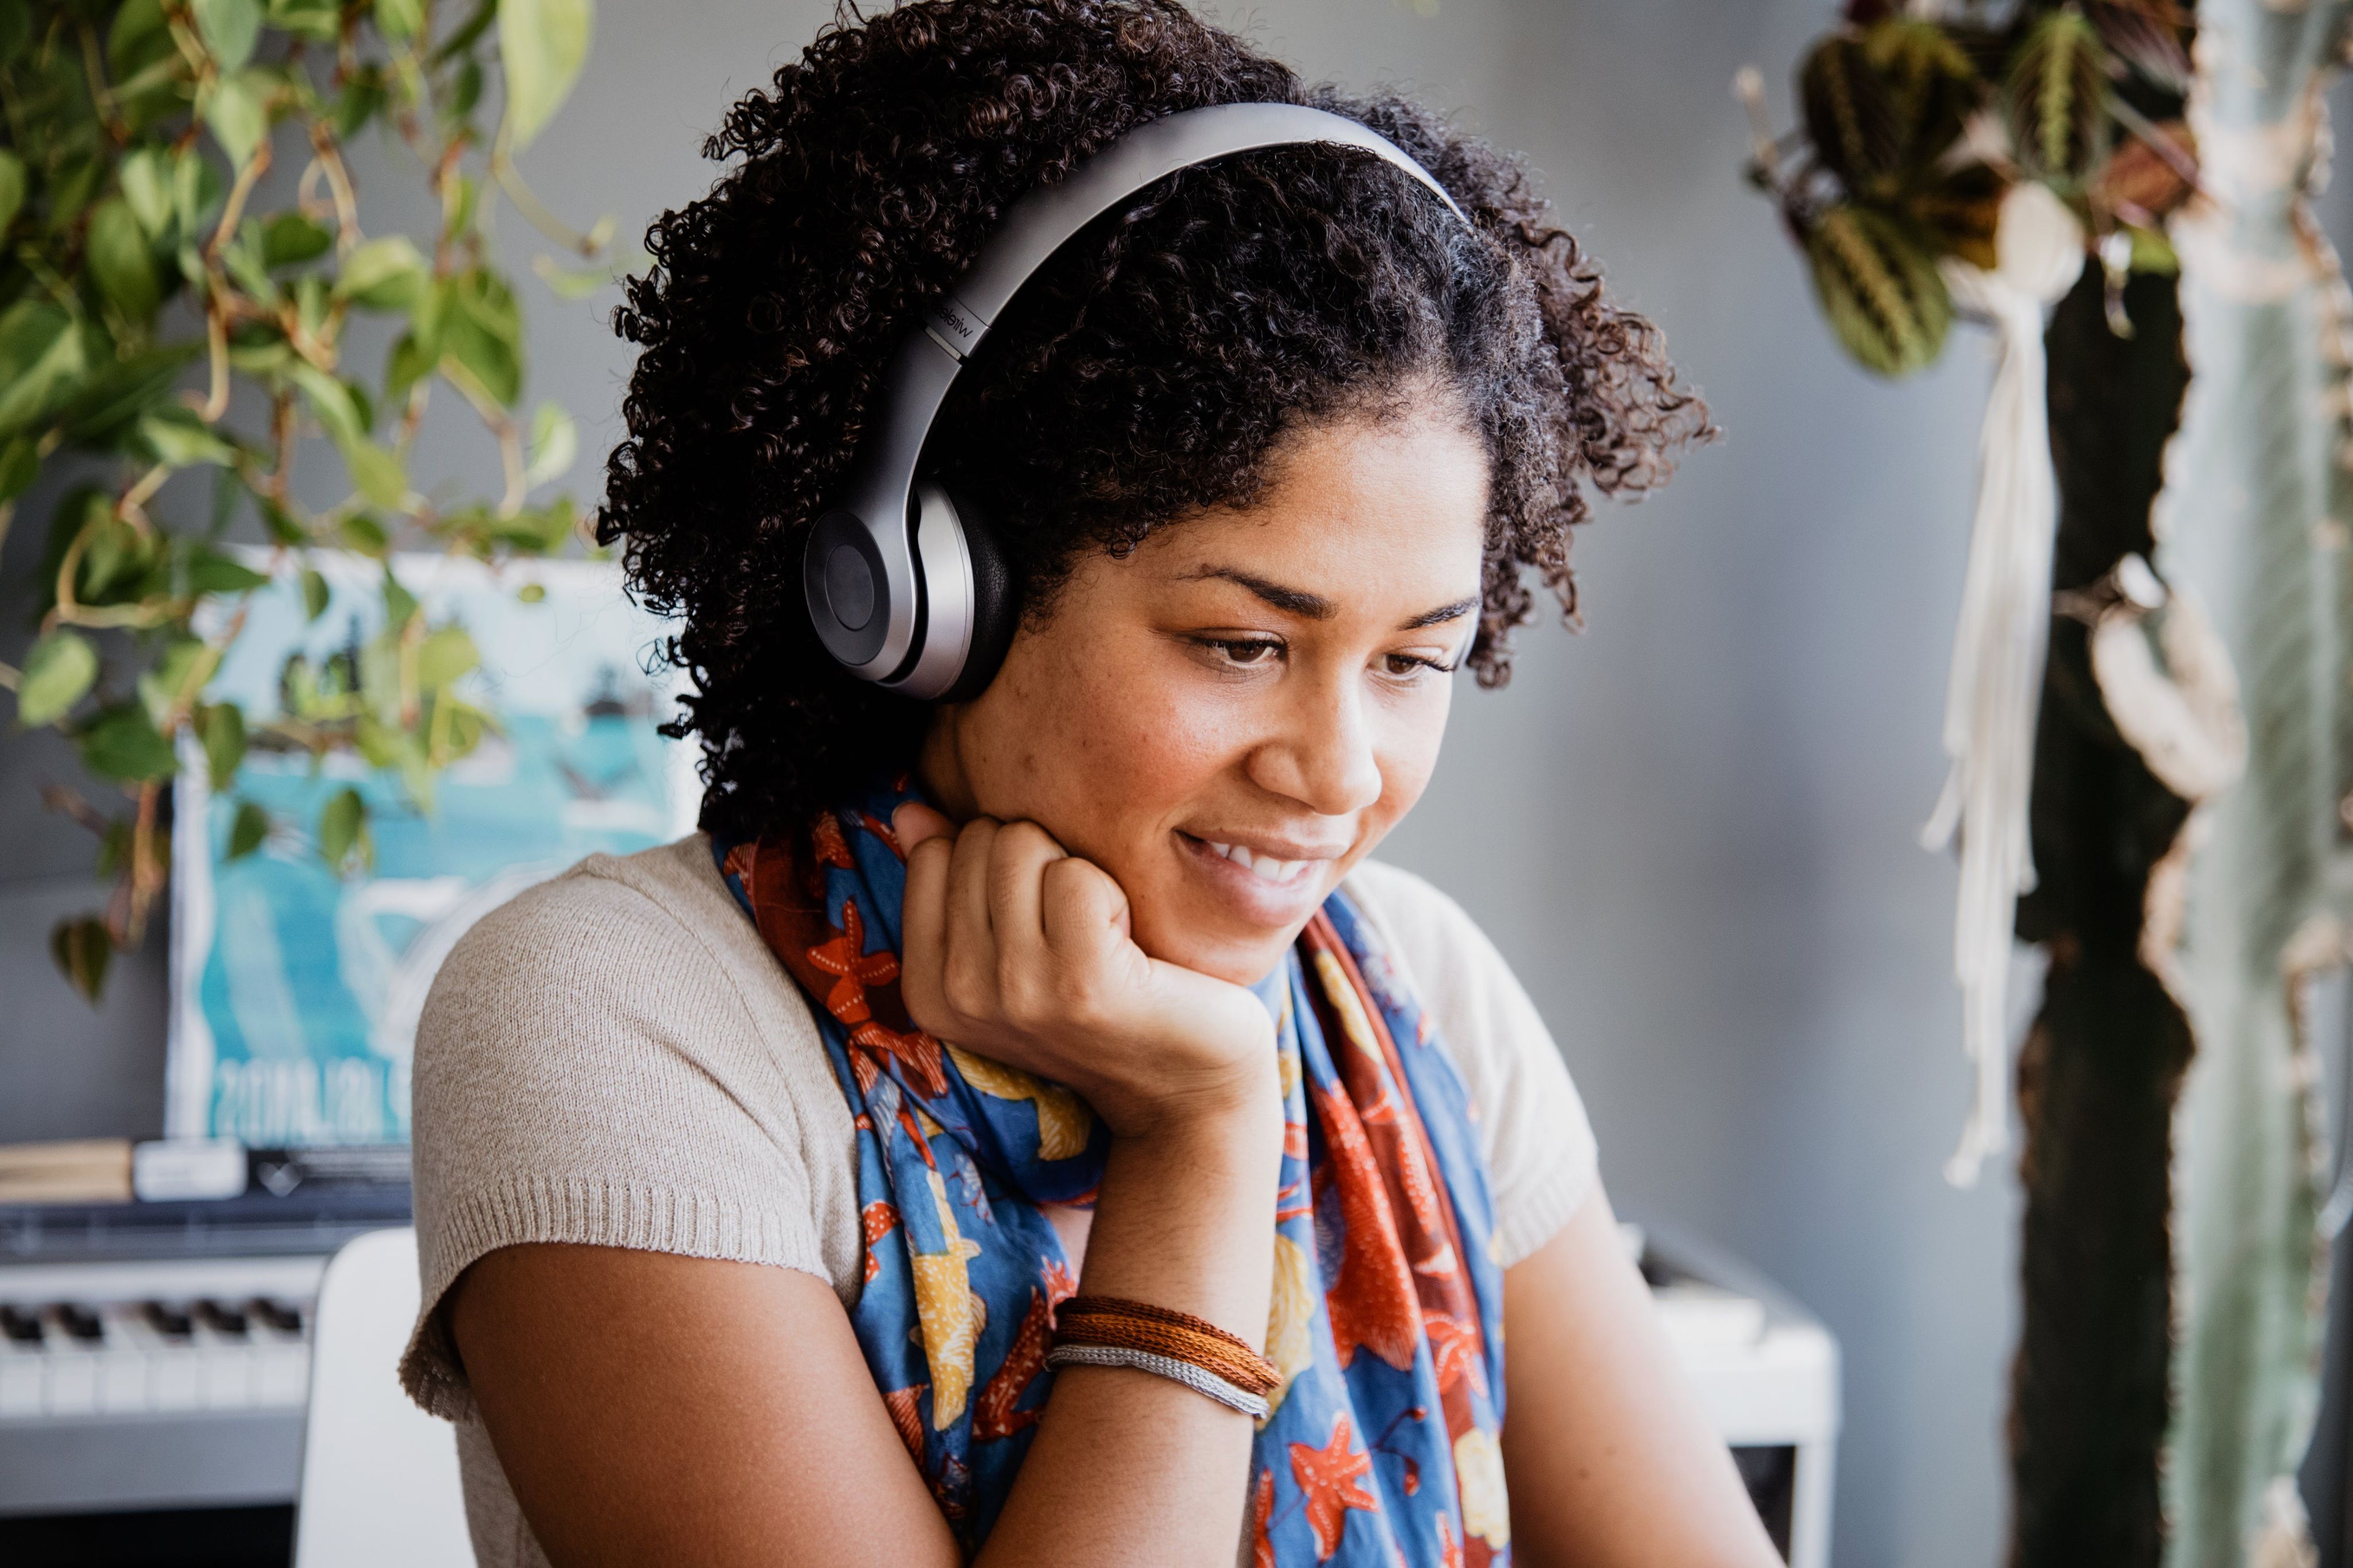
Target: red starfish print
point(1454, 1351)
point(878, 1218)
point(846, 956)
point(832, 849)
point(907, 1416)
point(1327, 1476)
point(1261, 1506)
point(915, 1050)
point(1449, 1550)
point(1373, 1303)
point(993, 1414)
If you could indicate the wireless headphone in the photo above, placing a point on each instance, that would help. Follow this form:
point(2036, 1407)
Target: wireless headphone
point(904, 582)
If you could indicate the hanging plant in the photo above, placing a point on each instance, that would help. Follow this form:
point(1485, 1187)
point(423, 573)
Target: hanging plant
point(167, 305)
point(1914, 127)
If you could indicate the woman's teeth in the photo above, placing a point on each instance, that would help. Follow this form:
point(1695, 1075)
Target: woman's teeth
point(1266, 868)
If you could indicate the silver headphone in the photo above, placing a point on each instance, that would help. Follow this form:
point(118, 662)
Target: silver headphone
point(903, 579)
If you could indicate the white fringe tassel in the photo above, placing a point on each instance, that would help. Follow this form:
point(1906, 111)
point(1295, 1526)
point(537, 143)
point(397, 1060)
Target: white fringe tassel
point(1994, 690)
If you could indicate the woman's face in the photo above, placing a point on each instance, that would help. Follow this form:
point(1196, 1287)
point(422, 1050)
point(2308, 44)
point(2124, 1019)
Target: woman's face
point(1232, 716)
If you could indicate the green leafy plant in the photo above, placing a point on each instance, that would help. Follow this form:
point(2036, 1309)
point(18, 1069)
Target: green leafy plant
point(172, 300)
point(1915, 126)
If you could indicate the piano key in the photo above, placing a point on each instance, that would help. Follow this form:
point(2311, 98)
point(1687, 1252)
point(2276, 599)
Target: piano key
point(20, 1378)
point(20, 1325)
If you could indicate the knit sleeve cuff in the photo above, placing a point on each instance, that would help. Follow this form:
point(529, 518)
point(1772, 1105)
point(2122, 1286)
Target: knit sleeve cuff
point(1534, 1213)
point(584, 1211)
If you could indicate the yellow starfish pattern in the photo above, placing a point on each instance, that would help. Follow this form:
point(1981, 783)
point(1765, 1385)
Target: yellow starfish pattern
point(1064, 1119)
point(949, 1315)
point(1479, 1476)
point(1289, 1318)
point(1345, 1002)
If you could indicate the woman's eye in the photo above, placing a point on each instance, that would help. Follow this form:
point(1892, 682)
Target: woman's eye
point(1249, 653)
point(1404, 665)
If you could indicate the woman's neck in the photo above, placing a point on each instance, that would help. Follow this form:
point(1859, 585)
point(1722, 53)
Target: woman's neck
point(940, 770)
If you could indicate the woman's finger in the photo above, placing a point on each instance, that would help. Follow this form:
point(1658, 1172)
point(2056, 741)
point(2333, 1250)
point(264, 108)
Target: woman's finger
point(1017, 861)
point(914, 824)
point(924, 932)
point(1082, 911)
point(969, 951)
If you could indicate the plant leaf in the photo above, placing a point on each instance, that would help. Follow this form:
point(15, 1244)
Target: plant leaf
point(82, 950)
point(145, 176)
point(43, 357)
point(247, 830)
point(378, 473)
point(224, 744)
point(290, 239)
point(11, 187)
point(236, 111)
point(344, 829)
point(210, 572)
point(58, 671)
point(1849, 112)
point(2058, 99)
point(230, 28)
point(174, 434)
point(1880, 288)
point(554, 443)
point(443, 656)
point(541, 44)
point(122, 743)
point(178, 680)
point(315, 593)
point(399, 18)
point(385, 274)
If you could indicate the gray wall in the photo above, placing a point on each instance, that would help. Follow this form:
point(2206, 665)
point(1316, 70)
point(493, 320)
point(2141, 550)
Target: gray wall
point(1692, 829)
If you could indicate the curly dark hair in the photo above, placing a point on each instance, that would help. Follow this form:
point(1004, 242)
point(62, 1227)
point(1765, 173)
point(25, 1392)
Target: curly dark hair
point(1147, 373)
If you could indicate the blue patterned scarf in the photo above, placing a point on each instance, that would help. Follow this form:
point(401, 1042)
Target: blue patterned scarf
point(1381, 1448)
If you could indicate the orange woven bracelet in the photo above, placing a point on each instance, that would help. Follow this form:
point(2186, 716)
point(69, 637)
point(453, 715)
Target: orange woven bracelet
point(1138, 1325)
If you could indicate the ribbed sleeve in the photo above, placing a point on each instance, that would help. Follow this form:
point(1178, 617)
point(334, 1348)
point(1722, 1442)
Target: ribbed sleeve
point(614, 1060)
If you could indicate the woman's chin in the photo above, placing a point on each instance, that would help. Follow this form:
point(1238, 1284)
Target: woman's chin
point(1240, 957)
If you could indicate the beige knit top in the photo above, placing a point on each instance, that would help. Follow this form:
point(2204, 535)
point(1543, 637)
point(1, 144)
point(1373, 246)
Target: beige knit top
point(614, 1059)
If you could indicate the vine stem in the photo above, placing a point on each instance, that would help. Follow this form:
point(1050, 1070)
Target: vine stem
point(502, 425)
point(216, 351)
point(535, 211)
point(329, 157)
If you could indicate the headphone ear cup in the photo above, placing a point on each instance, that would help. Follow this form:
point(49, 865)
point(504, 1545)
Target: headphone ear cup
point(996, 610)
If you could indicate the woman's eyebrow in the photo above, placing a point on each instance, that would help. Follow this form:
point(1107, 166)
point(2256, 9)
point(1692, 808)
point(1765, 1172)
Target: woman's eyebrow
point(1297, 601)
point(1315, 606)
point(1452, 612)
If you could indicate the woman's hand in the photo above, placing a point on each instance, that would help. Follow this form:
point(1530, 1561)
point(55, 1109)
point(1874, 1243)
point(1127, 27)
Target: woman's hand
point(1017, 949)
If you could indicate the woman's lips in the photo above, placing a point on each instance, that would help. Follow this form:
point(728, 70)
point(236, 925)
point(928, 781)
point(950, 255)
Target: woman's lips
point(1263, 887)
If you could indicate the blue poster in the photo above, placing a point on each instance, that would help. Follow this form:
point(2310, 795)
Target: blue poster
point(296, 989)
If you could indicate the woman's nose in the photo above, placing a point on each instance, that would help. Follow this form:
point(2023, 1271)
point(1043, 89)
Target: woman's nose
point(1323, 756)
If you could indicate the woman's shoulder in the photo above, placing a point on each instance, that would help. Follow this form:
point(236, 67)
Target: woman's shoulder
point(619, 969)
point(600, 913)
point(613, 1058)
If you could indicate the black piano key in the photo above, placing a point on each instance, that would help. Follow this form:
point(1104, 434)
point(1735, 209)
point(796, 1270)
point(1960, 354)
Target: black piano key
point(79, 1323)
point(279, 1315)
point(20, 1326)
point(219, 1319)
point(171, 1323)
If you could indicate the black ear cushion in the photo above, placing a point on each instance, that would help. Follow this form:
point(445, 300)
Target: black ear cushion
point(996, 609)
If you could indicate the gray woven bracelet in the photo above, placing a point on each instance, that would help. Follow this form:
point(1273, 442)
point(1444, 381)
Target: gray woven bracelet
point(1184, 1371)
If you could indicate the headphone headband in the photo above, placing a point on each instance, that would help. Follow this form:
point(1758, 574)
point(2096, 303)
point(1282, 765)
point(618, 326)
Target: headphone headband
point(866, 572)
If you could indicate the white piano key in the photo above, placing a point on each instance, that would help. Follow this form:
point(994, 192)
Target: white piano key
point(283, 1374)
point(69, 1384)
point(224, 1369)
point(20, 1379)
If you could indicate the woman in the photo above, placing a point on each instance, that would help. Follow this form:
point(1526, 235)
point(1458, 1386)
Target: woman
point(887, 1174)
